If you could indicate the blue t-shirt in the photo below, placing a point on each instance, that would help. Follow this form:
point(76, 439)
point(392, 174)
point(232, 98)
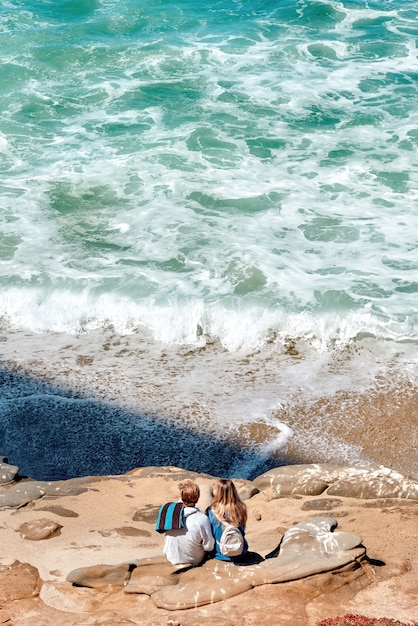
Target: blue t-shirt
point(217, 530)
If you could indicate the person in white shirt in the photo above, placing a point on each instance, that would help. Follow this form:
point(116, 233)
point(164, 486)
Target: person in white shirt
point(190, 543)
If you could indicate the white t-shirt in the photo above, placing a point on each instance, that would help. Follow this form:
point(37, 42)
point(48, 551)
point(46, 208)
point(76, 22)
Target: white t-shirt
point(189, 544)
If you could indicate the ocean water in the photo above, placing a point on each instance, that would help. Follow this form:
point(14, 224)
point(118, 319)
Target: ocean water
point(209, 216)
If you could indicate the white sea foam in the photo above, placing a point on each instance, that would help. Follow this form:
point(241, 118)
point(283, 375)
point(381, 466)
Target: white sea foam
point(238, 183)
point(194, 322)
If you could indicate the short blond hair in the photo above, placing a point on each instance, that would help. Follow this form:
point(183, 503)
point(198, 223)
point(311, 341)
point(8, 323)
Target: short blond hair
point(189, 492)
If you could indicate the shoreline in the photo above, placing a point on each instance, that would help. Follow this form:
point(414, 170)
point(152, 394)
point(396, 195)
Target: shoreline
point(270, 407)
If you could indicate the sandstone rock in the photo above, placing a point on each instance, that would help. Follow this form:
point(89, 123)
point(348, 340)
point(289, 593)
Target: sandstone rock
point(74, 486)
point(125, 531)
point(247, 490)
point(65, 597)
point(101, 576)
point(142, 591)
point(213, 582)
point(39, 529)
point(147, 514)
point(149, 584)
point(7, 472)
point(168, 472)
point(310, 488)
point(364, 481)
point(307, 548)
point(22, 493)
point(389, 503)
point(206, 494)
point(58, 510)
point(152, 574)
point(109, 618)
point(322, 504)
point(291, 476)
point(375, 487)
point(18, 581)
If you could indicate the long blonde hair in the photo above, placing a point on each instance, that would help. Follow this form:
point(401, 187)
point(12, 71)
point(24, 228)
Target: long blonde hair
point(227, 505)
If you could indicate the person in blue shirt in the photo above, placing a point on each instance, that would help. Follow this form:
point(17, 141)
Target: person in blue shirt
point(227, 508)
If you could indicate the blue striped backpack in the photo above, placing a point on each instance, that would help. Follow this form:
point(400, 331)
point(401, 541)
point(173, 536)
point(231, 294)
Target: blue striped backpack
point(170, 517)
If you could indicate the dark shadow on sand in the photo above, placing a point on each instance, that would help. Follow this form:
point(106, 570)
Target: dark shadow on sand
point(51, 433)
point(251, 558)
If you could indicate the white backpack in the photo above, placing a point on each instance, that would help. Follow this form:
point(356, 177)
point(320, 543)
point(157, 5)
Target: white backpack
point(232, 541)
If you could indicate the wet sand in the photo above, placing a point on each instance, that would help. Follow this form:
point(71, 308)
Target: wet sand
point(275, 405)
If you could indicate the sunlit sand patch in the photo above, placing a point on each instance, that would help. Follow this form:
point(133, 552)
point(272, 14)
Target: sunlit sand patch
point(256, 433)
point(380, 423)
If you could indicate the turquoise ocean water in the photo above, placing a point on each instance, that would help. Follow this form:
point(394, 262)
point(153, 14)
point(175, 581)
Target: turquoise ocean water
point(240, 178)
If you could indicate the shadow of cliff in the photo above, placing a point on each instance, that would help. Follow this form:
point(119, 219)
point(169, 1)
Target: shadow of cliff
point(52, 433)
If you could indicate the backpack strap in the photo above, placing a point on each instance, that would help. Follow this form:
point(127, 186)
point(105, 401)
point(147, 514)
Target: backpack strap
point(170, 517)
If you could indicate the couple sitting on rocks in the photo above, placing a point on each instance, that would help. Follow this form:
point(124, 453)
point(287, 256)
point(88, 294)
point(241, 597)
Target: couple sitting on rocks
point(201, 534)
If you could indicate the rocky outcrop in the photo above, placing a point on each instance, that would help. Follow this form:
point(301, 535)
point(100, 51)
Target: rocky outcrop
point(307, 548)
point(39, 529)
point(365, 481)
point(18, 581)
point(25, 491)
point(7, 472)
point(104, 560)
point(102, 577)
